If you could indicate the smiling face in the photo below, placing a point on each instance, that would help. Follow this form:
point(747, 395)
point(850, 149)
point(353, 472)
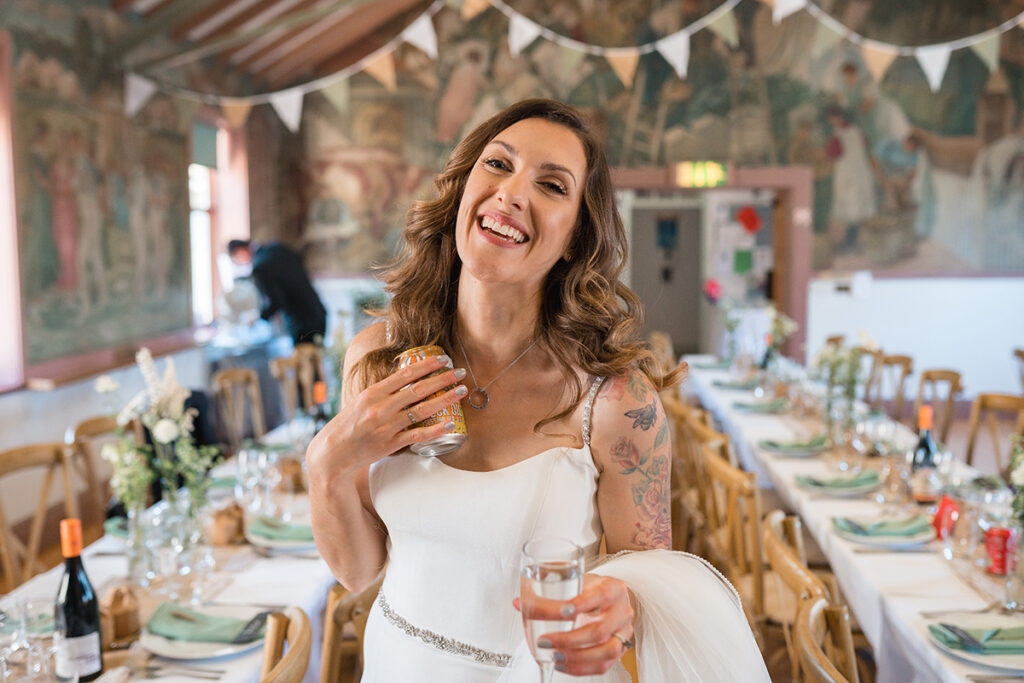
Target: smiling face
point(521, 203)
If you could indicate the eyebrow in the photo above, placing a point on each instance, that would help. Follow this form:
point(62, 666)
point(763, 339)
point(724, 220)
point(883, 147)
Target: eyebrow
point(547, 165)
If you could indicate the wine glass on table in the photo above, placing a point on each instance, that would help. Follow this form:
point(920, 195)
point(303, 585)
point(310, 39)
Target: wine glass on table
point(551, 573)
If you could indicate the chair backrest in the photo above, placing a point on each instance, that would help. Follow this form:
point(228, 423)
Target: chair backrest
point(311, 368)
point(20, 561)
point(83, 440)
point(661, 347)
point(294, 628)
point(783, 548)
point(871, 365)
point(735, 518)
point(835, 340)
point(707, 435)
point(987, 406)
point(345, 608)
point(1019, 355)
point(892, 372)
point(689, 526)
point(236, 390)
point(939, 389)
point(824, 642)
point(286, 372)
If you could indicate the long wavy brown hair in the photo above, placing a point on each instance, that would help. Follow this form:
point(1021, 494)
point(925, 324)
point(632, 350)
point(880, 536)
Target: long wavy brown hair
point(589, 320)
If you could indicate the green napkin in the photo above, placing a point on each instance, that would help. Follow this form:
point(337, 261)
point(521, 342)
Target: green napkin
point(742, 385)
point(776, 405)
point(723, 364)
point(862, 478)
point(276, 530)
point(907, 526)
point(772, 445)
point(116, 526)
point(997, 641)
point(223, 482)
point(180, 623)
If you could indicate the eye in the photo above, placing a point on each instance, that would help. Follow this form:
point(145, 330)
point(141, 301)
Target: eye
point(499, 164)
point(554, 186)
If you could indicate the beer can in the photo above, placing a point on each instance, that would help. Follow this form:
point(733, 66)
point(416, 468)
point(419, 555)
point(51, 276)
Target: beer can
point(446, 443)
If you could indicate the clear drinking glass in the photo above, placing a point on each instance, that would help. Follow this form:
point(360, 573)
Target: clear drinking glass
point(248, 478)
point(270, 476)
point(551, 570)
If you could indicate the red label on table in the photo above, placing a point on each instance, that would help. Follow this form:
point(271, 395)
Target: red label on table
point(996, 543)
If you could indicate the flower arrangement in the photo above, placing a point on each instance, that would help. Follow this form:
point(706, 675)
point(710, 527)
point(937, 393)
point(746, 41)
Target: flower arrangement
point(782, 327)
point(1017, 476)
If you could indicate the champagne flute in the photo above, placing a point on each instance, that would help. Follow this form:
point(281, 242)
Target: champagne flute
point(551, 569)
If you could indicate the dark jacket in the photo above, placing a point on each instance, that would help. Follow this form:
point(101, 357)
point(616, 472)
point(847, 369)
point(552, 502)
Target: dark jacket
point(281, 277)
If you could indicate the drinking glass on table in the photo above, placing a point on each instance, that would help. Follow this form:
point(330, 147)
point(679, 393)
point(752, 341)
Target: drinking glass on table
point(551, 572)
point(248, 477)
point(270, 476)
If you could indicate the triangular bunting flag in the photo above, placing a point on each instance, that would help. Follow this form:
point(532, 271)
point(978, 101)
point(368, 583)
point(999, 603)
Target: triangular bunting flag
point(783, 8)
point(337, 94)
point(288, 105)
point(137, 91)
point(623, 63)
point(824, 40)
point(383, 69)
point(676, 51)
point(933, 59)
point(521, 32)
point(988, 50)
point(725, 28)
point(471, 8)
point(236, 111)
point(877, 60)
point(421, 34)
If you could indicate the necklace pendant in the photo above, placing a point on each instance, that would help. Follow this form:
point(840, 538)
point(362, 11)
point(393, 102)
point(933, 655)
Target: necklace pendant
point(478, 399)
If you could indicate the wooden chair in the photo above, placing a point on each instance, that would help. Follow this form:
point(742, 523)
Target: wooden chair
point(661, 347)
point(311, 369)
point(835, 340)
point(286, 372)
point(988, 405)
point(294, 628)
point(939, 389)
point(83, 440)
point(237, 389)
point(1019, 355)
point(21, 561)
point(297, 374)
point(824, 642)
point(344, 626)
point(689, 523)
point(871, 365)
point(892, 371)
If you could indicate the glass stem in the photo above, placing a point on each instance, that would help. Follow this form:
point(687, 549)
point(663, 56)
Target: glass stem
point(547, 671)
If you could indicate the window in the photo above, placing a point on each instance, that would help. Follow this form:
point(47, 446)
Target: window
point(200, 200)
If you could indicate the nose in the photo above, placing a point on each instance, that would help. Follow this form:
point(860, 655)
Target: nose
point(510, 192)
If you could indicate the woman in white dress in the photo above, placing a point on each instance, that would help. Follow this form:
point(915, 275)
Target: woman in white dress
point(514, 271)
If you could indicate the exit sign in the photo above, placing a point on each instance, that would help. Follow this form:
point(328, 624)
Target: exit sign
point(700, 174)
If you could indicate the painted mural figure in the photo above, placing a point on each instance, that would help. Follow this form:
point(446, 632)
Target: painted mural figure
point(138, 213)
point(65, 214)
point(156, 231)
point(906, 178)
point(854, 199)
point(878, 116)
point(90, 265)
point(38, 246)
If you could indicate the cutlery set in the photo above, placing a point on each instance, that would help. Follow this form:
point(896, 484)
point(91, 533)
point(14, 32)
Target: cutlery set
point(151, 671)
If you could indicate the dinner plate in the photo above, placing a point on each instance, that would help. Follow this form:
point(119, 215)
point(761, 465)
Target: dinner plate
point(966, 619)
point(839, 492)
point(894, 542)
point(279, 544)
point(186, 649)
point(791, 452)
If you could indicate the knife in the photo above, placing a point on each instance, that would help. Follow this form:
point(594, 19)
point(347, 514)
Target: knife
point(251, 630)
point(966, 639)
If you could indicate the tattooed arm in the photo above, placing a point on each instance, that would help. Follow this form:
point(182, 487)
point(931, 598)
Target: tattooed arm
point(633, 450)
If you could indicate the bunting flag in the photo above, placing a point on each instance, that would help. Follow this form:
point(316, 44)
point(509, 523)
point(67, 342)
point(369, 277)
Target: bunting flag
point(337, 94)
point(288, 105)
point(623, 63)
point(383, 69)
point(988, 50)
point(676, 51)
point(933, 59)
point(783, 8)
point(421, 34)
point(725, 28)
point(824, 40)
point(877, 60)
point(471, 8)
point(137, 91)
point(236, 111)
point(521, 32)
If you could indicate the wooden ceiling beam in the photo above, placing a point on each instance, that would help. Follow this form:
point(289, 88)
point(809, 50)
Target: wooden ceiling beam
point(160, 21)
point(333, 38)
point(182, 29)
point(261, 46)
point(121, 5)
point(257, 10)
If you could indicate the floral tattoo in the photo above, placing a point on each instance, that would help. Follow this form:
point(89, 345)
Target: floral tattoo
point(651, 492)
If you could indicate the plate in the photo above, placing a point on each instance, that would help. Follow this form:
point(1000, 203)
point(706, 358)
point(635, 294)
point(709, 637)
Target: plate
point(836, 492)
point(1006, 662)
point(279, 544)
point(894, 542)
point(186, 649)
point(792, 452)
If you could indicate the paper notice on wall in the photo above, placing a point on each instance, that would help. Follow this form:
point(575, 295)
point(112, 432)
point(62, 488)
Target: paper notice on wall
point(860, 284)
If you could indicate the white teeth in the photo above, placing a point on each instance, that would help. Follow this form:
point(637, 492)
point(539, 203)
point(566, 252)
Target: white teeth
point(502, 229)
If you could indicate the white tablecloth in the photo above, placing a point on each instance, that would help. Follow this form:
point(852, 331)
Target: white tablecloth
point(885, 591)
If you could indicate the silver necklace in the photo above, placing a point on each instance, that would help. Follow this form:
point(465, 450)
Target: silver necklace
point(478, 398)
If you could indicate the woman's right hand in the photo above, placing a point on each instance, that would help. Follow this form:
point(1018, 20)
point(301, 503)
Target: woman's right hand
point(376, 423)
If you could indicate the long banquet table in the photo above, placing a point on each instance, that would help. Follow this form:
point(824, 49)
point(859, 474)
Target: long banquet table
point(886, 591)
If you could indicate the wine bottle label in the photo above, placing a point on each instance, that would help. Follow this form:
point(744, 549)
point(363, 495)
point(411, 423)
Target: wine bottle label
point(81, 655)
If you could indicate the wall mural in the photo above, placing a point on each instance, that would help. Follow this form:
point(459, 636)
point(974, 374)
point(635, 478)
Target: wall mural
point(906, 181)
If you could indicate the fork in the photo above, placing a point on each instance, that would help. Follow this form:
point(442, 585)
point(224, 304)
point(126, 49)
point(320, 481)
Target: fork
point(997, 607)
point(151, 672)
point(995, 678)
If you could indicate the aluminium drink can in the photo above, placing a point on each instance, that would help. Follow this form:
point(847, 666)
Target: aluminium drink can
point(446, 443)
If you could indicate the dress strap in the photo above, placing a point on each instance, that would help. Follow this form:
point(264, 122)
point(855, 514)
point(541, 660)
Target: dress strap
point(387, 330)
point(588, 408)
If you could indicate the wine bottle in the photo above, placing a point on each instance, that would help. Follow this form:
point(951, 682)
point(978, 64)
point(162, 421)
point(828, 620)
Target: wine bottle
point(77, 612)
point(924, 484)
point(769, 352)
point(319, 412)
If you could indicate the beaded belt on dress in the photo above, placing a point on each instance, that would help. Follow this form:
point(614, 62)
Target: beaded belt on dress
point(436, 640)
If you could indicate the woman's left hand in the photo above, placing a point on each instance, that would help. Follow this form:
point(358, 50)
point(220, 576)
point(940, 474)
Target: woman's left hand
point(604, 619)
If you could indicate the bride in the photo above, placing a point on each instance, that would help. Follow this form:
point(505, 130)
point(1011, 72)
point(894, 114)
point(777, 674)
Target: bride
point(514, 271)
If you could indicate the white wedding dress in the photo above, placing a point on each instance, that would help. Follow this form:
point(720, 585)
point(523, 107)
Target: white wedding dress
point(445, 610)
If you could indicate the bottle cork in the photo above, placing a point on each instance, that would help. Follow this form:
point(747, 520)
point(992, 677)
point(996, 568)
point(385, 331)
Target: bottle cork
point(924, 418)
point(71, 537)
point(319, 392)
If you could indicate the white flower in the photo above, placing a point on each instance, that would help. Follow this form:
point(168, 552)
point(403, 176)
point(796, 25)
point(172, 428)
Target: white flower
point(866, 341)
point(132, 409)
point(1017, 476)
point(166, 431)
point(111, 452)
point(105, 384)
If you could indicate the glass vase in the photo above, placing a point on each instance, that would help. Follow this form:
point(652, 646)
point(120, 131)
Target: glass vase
point(1014, 599)
point(136, 550)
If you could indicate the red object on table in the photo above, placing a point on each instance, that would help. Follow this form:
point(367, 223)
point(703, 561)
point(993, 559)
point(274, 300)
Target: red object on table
point(946, 514)
point(997, 544)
